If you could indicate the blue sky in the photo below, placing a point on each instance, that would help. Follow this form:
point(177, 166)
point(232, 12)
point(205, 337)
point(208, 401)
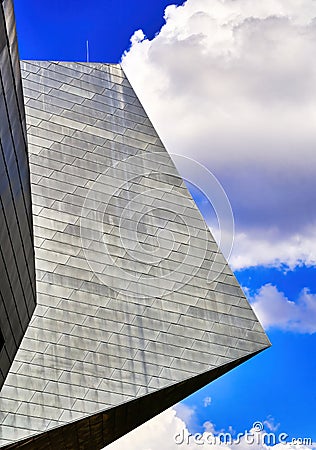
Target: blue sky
point(232, 85)
point(59, 30)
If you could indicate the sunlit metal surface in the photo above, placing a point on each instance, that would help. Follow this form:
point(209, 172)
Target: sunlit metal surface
point(128, 320)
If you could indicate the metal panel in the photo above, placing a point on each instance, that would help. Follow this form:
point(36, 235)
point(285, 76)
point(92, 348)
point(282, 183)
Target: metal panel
point(17, 284)
point(122, 258)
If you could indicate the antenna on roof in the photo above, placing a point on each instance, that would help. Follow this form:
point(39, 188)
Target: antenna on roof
point(87, 42)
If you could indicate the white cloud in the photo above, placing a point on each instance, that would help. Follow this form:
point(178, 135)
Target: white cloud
point(168, 432)
point(156, 434)
point(252, 249)
point(274, 309)
point(186, 414)
point(207, 401)
point(137, 37)
point(232, 84)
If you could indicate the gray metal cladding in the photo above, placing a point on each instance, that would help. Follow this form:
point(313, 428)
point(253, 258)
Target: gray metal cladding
point(17, 270)
point(124, 305)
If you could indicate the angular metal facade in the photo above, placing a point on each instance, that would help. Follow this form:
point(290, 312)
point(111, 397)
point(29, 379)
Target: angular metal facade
point(137, 308)
point(17, 272)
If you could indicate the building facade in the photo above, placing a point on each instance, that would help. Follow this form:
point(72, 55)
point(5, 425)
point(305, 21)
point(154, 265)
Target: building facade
point(136, 306)
point(17, 283)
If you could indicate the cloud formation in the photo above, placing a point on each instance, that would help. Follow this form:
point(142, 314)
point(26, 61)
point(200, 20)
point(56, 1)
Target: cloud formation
point(232, 85)
point(168, 432)
point(270, 248)
point(275, 310)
